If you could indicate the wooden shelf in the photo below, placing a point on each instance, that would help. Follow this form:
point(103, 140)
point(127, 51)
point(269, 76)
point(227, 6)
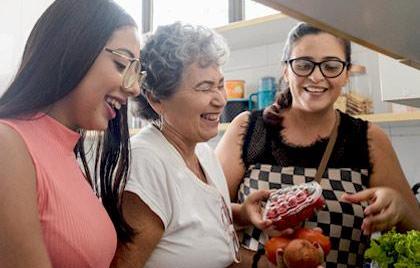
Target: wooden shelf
point(387, 119)
point(391, 119)
point(223, 127)
point(134, 131)
point(257, 32)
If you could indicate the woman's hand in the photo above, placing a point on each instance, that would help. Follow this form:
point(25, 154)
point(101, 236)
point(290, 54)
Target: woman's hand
point(386, 209)
point(251, 211)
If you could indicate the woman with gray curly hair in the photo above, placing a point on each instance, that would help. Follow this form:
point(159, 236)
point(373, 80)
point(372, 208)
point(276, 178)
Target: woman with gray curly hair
point(176, 198)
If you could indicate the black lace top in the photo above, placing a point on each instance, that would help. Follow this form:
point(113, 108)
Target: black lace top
point(263, 144)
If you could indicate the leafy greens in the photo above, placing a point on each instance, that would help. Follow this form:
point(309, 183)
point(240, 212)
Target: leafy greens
point(397, 250)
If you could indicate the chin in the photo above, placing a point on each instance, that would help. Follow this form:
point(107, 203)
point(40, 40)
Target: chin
point(98, 125)
point(211, 135)
point(316, 107)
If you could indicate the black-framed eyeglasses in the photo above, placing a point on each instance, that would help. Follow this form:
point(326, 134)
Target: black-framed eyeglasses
point(132, 72)
point(329, 68)
point(230, 229)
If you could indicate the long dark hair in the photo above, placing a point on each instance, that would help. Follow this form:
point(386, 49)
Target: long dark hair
point(284, 98)
point(60, 50)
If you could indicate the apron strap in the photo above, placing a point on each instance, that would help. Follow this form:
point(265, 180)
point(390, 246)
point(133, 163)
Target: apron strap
point(328, 150)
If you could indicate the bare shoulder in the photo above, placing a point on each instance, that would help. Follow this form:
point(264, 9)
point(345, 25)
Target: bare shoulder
point(229, 152)
point(18, 197)
point(233, 135)
point(386, 169)
point(12, 146)
point(16, 166)
point(239, 123)
point(378, 140)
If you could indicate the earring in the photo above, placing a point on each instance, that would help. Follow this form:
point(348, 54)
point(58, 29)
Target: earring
point(158, 123)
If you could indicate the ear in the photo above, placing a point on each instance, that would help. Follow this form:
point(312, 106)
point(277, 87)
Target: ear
point(154, 103)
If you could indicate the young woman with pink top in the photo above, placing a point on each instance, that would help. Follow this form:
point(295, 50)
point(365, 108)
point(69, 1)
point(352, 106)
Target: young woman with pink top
point(80, 65)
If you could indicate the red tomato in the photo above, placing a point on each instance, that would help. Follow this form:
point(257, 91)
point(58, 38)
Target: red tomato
point(272, 245)
point(314, 236)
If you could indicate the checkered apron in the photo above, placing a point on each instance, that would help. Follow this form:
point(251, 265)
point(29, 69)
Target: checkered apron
point(340, 221)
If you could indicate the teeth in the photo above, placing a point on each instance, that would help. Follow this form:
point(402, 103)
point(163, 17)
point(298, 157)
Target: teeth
point(315, 89)
point(117, 105)
point(211, 117)
point(113, 102)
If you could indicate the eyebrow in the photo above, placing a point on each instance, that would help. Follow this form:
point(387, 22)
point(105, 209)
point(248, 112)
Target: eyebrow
point(126, 51)
point(208, 82)
point(323, 59)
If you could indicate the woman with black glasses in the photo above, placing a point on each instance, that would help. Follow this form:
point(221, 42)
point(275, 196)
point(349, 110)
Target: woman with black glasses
point(363, 184)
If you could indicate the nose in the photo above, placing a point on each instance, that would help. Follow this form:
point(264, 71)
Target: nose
point(221, 98)
point(316, 75)
point(132, 91)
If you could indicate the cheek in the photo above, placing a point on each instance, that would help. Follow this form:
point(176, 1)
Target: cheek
point(105, 77)
point(295, 82)
point(339, 83)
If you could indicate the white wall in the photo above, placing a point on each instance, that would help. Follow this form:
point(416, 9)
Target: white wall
point(17, 17)
point(406, 142)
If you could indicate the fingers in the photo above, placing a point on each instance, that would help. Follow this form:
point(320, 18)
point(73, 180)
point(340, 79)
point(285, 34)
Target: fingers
point(317, 229)
point(272, 231)
point(379, 222)
point(258, 196)
point(377, 206)
point(364, 195)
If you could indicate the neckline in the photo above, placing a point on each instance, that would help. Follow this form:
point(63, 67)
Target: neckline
point(180, 161)
point(65, 137)
point(321, 141)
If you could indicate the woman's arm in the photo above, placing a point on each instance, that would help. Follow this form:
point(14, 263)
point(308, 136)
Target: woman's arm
point(21, 242)
point(392, 202)
point(229, 152)
point(148, 229)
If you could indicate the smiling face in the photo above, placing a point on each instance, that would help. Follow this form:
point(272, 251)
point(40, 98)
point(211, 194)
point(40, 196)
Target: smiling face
point(99, 95)
point(316, 93)
point(193, 112)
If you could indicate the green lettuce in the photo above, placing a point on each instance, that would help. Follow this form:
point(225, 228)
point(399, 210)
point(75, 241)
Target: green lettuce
point(397, 250)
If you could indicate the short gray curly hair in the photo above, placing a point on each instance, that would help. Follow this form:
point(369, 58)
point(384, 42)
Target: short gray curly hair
point(168, 52)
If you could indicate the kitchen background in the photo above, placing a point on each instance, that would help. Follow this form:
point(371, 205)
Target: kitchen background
point(256, 46)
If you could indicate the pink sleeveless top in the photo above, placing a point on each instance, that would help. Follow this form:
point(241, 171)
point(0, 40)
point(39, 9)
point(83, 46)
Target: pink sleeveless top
point(76, 228)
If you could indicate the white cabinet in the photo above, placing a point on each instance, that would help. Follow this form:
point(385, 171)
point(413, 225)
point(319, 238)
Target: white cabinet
point(257, 32)
point(399, 83)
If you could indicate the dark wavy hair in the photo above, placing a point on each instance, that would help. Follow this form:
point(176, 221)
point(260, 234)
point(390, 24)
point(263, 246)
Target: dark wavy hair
point(60, 50)
point(284, 97)
point(168, 52)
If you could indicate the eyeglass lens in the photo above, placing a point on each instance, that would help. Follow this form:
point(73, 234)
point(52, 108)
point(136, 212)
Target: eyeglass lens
point(329, 68)
point(132, 75)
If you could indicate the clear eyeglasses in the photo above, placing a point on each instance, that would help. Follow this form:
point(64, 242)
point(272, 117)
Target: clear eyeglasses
point(329, 68)
point(132, 72)
point(230, 229)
